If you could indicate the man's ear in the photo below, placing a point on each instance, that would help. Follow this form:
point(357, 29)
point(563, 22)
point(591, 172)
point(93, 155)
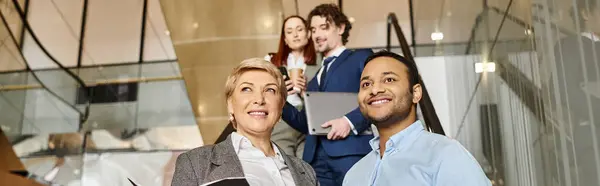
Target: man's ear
point(342, 29)
point(417, 93)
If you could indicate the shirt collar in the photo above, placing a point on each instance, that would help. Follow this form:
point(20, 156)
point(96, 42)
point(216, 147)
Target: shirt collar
point(238, 140)
point(590, 36)
point(293, 58)
point(336, 52)
point(398, 138)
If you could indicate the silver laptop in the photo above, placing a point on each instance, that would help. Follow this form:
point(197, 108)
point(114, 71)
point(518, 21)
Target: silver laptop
point(322, 107)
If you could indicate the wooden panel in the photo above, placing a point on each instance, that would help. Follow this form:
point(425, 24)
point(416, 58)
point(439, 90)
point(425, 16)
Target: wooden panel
point(210, 38)
point(8, 159)
point(14, 180)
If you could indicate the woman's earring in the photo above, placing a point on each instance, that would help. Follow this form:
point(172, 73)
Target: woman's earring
point(231, 118)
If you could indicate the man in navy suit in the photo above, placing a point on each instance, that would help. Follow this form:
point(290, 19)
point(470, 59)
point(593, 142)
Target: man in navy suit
point(332, 156)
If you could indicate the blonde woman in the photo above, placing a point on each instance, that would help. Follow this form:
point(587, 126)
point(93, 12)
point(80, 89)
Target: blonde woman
point(255, 95)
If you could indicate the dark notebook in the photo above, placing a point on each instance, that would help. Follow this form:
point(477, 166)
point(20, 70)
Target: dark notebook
point(235, 181)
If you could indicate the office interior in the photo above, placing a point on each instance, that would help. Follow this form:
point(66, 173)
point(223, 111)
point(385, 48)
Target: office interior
point(109, 92)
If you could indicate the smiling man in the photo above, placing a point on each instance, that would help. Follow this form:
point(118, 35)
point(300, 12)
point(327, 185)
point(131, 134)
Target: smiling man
point(348, 140)
point(404, 153)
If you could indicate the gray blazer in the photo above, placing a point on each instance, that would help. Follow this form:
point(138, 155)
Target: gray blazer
point(213, 162)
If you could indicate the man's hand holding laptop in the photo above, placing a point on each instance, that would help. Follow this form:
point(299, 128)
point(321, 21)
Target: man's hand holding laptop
point(340, 128)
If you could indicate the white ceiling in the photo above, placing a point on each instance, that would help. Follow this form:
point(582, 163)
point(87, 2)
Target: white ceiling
point(454, 18)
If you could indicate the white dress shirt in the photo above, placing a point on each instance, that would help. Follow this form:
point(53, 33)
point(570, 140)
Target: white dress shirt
point(414, 156)
point(258, 168)
point(336, 52)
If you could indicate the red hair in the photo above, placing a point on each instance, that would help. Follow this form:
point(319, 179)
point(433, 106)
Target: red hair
point(280, 58)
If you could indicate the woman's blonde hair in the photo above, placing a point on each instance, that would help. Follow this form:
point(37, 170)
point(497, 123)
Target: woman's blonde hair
point(254, 64)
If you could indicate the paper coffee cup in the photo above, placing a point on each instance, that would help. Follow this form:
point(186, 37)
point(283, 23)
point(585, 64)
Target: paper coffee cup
point(296, 73)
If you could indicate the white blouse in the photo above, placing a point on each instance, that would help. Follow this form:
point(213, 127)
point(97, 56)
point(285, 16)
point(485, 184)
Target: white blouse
point(295, 62)
point(258, 168)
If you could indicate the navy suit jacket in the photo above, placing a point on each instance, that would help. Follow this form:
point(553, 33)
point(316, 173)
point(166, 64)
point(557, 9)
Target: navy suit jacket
point(342, 76)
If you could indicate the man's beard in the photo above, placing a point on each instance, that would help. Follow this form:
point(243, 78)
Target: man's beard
point(398, 113)
point(324, 51)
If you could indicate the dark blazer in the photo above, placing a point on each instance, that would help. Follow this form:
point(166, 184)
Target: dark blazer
point(342, 76)
point(213, 162)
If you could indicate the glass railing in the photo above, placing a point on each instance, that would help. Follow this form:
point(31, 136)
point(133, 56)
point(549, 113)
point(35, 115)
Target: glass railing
point(86, 89)
point(508, 107)
point(61, 118)
point(161, 97)
point(25, 91)
point(570, 74)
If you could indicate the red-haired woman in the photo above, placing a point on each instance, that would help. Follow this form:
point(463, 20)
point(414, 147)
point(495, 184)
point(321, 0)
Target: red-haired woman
point(296, 51)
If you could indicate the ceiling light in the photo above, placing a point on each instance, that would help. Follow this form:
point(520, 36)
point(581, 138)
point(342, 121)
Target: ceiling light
point(167, 33)
point(195, 25)
point(268, 22)
point(201, 108)
point(485, 67)
point(351, 19)
point(436, 36)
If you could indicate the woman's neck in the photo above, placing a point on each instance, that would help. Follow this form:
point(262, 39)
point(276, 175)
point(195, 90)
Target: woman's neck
point(263, 143)
point(297, 53)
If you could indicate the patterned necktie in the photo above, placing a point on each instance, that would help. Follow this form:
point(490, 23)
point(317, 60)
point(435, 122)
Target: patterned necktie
point(324, 72)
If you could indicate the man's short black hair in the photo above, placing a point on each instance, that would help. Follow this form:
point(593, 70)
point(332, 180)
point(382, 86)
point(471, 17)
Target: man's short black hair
point(413, 72)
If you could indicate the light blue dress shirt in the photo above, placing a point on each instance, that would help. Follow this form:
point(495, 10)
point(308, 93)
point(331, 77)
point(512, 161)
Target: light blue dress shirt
point(416, 157)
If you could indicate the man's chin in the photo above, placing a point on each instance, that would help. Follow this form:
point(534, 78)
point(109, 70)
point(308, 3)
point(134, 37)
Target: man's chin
point(386, 120)
point(379, 118)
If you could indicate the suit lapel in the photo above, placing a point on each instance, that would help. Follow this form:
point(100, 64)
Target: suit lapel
point(225, 162)
point(338, 61)
point(313, 84)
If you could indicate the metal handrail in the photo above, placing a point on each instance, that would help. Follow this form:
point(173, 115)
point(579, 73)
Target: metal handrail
point(96, 83)
point(524, 24)
point(427, 109)
point(513, 18)
point(474, 30)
